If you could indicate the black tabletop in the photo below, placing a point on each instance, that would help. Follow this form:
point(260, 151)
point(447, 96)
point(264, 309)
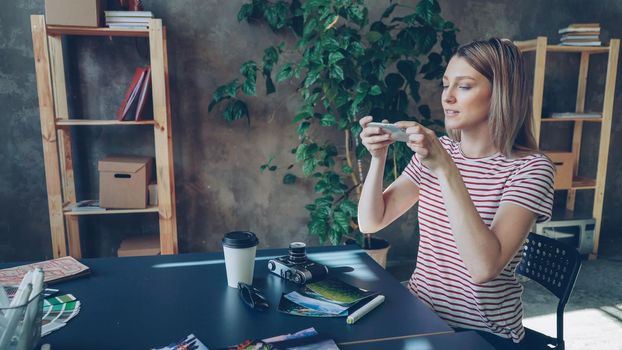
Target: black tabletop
point(147, 302)
point(468, 340)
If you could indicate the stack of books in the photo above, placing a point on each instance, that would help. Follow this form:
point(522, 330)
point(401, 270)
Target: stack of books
point(581, 34)
point(135, 104)
point(128, 19)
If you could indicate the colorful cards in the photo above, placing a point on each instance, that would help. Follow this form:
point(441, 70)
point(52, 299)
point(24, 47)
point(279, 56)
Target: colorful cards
point(57, 311)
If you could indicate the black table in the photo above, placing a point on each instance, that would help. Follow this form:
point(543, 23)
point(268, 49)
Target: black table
point(458, 340)
point(146, 302)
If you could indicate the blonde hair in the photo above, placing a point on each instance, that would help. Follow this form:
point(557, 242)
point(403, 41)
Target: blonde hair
point(510, 116)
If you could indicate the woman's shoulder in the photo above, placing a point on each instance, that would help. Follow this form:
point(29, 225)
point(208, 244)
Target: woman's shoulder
point(532, 160)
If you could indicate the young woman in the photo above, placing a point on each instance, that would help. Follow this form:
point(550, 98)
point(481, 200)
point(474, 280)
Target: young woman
point(480, 190)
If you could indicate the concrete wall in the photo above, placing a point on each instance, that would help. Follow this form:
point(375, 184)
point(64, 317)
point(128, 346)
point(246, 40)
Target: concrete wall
point(218, 183)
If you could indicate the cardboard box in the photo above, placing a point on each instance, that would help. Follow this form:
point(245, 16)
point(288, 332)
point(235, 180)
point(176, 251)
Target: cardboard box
point(140, 246)
point(85, 13)
point(563, 169)
point(123, 182)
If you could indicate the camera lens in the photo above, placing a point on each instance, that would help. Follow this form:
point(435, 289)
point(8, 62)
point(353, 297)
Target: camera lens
point(297, 253)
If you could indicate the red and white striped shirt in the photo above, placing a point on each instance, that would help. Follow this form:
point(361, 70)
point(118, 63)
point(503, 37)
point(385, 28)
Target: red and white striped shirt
point(440, 278)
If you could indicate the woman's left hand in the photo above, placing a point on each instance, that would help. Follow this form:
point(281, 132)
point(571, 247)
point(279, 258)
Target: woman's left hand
point(427, 147)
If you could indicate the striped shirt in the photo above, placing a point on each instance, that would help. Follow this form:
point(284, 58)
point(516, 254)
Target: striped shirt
point(440, 278)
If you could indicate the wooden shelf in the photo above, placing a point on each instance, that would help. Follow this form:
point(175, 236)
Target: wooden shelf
point(96, 31)
point(67, 211)
point(56, 133)
point(553, 120)
point(530, 45)
point(583, 183)
point(579, 49)
point(95, 122)
point(541, 47)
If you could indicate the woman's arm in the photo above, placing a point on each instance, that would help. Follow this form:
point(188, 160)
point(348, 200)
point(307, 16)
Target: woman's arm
point(377, 209)
point(485, 251)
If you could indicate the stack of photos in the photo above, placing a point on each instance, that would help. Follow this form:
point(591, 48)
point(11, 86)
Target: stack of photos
point(306, 339)
point(327, 298)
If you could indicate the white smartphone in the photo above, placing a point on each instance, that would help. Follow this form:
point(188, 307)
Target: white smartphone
point(397, 133)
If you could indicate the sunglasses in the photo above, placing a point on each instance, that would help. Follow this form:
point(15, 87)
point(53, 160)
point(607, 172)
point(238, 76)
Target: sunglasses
point(252, 297)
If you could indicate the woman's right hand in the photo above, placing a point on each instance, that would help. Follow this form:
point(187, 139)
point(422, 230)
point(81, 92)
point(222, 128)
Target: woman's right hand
point(374, 139)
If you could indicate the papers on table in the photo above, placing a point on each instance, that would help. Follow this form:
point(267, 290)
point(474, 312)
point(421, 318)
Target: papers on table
point(327, 298)
point(55, 270)
point(187, 343)
point(307, 339)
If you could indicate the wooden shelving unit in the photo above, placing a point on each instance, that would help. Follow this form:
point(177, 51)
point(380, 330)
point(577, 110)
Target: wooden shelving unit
point(541, 47)
point(56, 128)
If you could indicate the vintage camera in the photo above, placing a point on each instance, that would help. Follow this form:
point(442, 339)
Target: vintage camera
point(296, 267)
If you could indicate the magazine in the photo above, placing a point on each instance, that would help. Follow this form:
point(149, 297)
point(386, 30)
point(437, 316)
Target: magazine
point(307, 339)
point(327, 298)
point(55, 270)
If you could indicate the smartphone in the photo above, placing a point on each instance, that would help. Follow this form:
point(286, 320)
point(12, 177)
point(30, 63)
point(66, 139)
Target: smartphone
point(397, 133)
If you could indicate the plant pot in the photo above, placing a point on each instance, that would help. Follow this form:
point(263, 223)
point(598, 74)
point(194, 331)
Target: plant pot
point(376, 248)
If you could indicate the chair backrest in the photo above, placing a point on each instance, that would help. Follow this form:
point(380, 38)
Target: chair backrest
point(554, 265)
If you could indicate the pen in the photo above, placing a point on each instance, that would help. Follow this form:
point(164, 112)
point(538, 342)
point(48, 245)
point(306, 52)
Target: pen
point(363, 310)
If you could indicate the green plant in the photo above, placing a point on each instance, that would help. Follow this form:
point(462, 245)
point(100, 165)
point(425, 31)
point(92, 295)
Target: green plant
point(346, 69)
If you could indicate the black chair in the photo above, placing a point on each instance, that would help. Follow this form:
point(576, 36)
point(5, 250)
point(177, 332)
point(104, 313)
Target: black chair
point(555, 266)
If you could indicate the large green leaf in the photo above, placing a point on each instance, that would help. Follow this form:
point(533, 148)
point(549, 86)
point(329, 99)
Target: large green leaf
point(329, 44)
point(249, 87)
point(318, 227)
point(289, 179)
point(302, 129)
point(336, 72)
point(426, 9)
point(285, 73)
point(245, 12)
point(275, 15)
point(235, 110)
point(335, 57)
point(249, 69)
point(328, 120)
point(308, 166)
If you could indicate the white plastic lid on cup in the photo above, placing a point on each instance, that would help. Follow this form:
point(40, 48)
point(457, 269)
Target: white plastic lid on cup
point(239, 248)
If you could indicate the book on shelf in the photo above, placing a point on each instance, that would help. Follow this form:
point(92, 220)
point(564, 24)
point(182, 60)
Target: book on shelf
point(89, 205)
point(138, 20)
point(580, 27)
point(144, 97)
point(127, 26)
point(128, 19)
point(147, 14)
point(579, 37)
point(55, 270)
point(131, 95)
point(581, 43)
point(576, 115)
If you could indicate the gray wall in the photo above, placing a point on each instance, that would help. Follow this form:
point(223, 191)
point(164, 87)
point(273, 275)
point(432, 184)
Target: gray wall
point(219, 187)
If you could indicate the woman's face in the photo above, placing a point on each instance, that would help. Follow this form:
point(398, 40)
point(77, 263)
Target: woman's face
point(466, 96)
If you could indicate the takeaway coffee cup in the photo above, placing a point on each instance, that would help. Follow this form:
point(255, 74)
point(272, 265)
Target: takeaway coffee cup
point(239, 248)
